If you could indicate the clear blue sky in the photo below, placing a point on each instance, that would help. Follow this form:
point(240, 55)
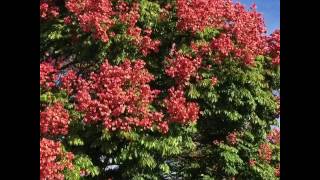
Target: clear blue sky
point(270, 10)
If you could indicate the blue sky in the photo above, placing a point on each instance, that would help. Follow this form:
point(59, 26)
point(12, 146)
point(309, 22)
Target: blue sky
point(270, 10)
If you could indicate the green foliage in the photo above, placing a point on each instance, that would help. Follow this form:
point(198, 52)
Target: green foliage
point(192, 92)
point(207, 34)
point(82, 162)
point(75, 141)
point(149, 13)
point(50, 97)
point(229, 156)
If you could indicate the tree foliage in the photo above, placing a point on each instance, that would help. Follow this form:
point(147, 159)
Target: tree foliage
point(145, 89)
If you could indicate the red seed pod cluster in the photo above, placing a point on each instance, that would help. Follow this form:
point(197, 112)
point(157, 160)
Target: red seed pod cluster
point(98, 16)
point(274, 136)
point(67, 20)
point(53, 160)
point(200, 48)
point(144, 42)
point(223, 45)
point(48, 9)
point(243, 31)
point(128, 14)
point(195, 15)
point(232, 138)
point(182, 67)
point(214, 81)
point(274, 47)
point(179, 109)
point(163, 127)
point(252, 162)
point(120, 97)
point(248, 30)
point(215, 142)
point(265, 152)
point(68, 81)
point(54, 120)
point(93, 16)
point(48, 75)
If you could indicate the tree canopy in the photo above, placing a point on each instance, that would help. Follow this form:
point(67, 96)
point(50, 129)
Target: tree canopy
point(148, 89)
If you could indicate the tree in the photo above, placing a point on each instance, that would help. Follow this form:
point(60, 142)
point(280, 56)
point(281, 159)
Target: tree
point(157, 90)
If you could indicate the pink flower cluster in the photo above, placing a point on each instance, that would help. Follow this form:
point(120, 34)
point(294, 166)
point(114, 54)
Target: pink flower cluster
point(200, 48)
point(274, 47)
point(98, 16)
point(67, 20)
point(54, 120)
point(265, 152)
point(242, 31)
point(214, 81)
point(50, 153)
point(48, 9)
point(195, 15)
point(248, 30)
point(163, 127)
point(223, 45)
point(179, 109)
point(182, 67)
point(130, 17)
point(68, 81)
point(47, 75)
point(145, 44)
point(120, 97)
point(252, 162)
point(216, 142)
point(93, 16)
point(274, 136)
point(232, 138)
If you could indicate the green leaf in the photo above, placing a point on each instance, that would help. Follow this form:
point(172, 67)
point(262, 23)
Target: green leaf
point(76, 141)
point(193, 93)
point(165, 168)
point(44, 98)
